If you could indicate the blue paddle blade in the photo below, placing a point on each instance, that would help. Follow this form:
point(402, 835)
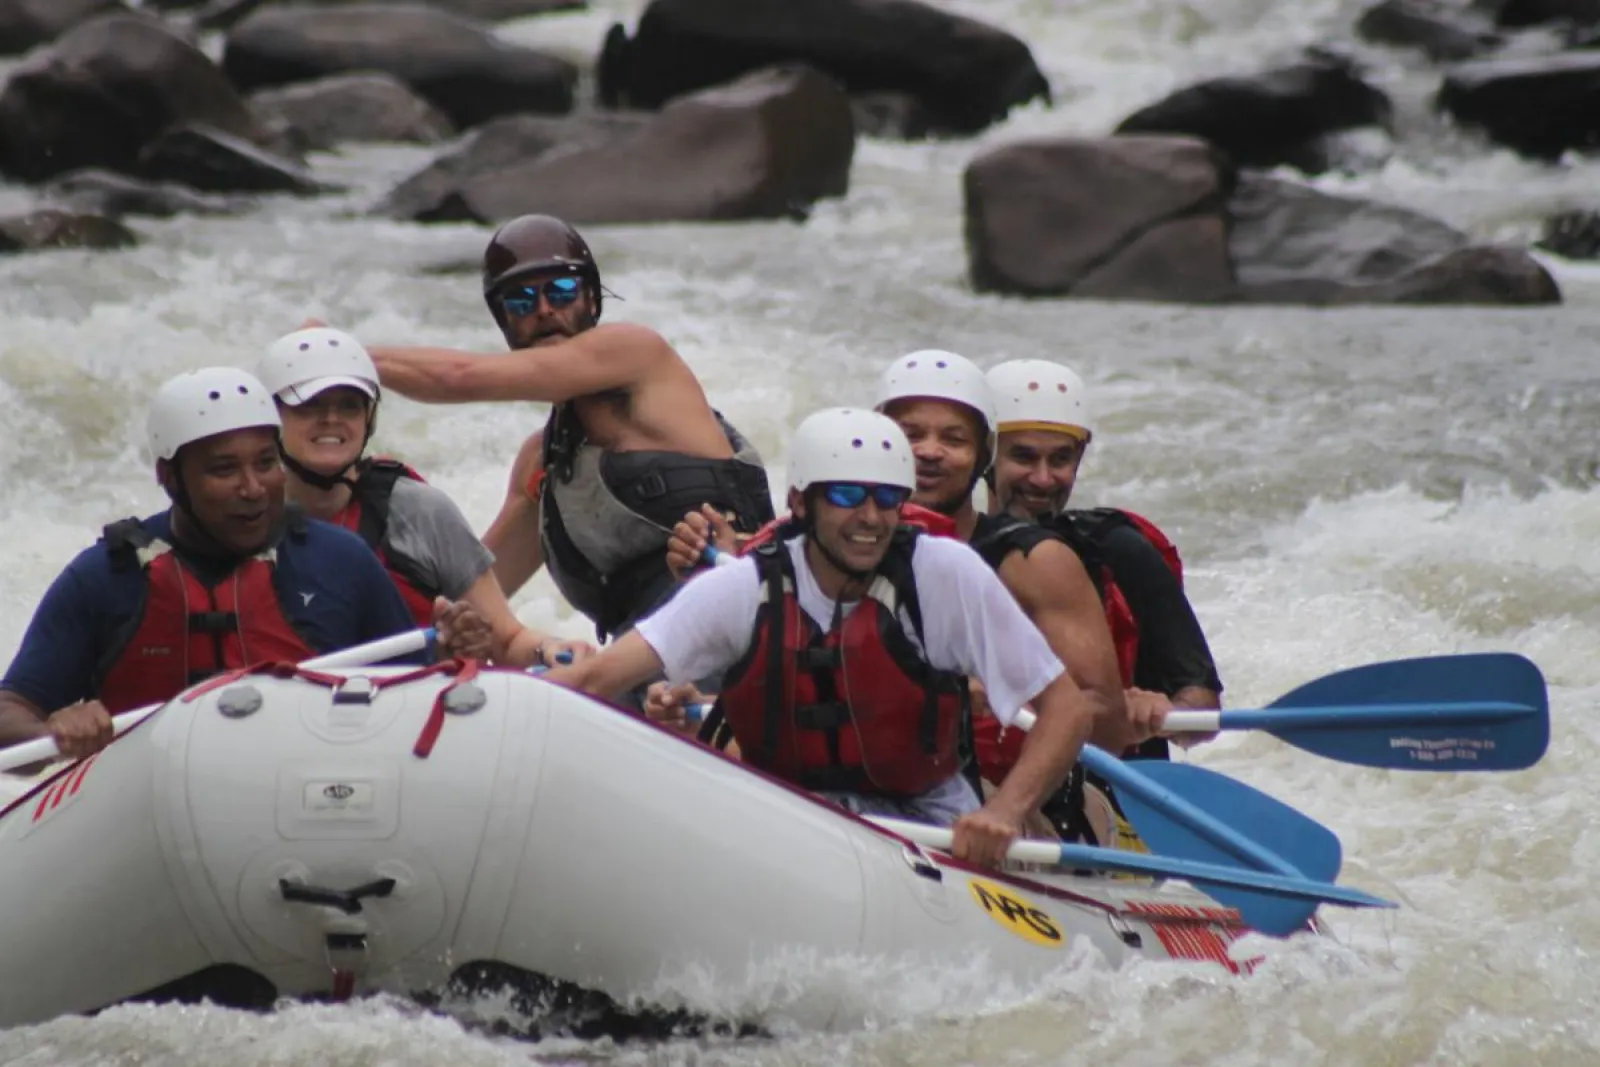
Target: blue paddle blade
point(1271, 903)
point(1451, 723)
point(1309, 848)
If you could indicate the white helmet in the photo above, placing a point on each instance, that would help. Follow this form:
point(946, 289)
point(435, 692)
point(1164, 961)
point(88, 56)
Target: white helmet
point(939, 375)
point(1035, 394)
point(302, 364)
point(205, 402)
point(850, 445)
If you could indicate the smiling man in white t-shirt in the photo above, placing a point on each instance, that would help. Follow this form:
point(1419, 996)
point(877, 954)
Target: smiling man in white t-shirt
point(845, 644)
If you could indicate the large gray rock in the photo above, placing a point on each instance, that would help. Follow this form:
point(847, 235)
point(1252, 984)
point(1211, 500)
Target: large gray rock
point(457, 64)
point(351, 107)
point(488, 10)
point(106, 89)
point(765, 146)
point(433, 194)
point(103, 192)
point(62, 229)
point(1281, 116)
point(1520, 13)
point(1441, 31)
point(1294, 244)
point(27, 23)
point(1045, 217)
point(1541, 106)
point(966, 74)
point(212, 161)
point(1153, 218)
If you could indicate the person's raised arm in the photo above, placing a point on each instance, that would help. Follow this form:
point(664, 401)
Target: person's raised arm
point(617, 356)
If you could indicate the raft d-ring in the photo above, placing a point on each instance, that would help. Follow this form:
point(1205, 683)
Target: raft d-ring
point(465, 698)
point(355, 690)
point(239, 701)
point(919, 862)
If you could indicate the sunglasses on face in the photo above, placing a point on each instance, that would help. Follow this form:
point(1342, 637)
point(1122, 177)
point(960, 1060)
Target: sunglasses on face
point(854, 494)
point(559, 292)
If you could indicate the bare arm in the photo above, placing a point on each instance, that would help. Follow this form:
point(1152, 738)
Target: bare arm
point(1057, 595)
point(627, 663)
point(1058, 735)
point(20, 719)
point(513, 537)
point(617, 356)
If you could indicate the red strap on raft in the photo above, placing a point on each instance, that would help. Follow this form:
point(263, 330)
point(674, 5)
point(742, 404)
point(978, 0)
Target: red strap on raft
point(464, 670)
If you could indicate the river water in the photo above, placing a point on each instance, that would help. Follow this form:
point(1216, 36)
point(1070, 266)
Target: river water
point(1347, 486)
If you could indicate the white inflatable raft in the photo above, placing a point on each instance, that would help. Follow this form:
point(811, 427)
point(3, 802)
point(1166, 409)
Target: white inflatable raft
point(303, 837)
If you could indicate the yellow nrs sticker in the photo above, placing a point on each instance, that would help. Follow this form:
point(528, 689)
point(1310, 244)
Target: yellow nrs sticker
point(1016, 914)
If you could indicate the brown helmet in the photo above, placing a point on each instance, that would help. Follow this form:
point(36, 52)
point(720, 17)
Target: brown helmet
point(532, 243)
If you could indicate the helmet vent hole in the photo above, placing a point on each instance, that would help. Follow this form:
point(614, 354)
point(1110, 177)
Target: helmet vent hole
point(1033, 387)
point(214, 395)
point(856, 443)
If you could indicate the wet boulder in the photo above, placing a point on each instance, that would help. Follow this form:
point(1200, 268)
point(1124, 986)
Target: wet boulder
point(1121, 216)
point(50, 228)
point(1165, 218)
point(1442, 32)
point(25, 24)
point(965, 74)
point(1284, 116)
point(212, 161)
point(102, 192)
point(433, 194)
point(329, 111)
point(1540, 106)
point(501, 10)
point(106, 89)
point(455, 63)
point(1572, 235)
point(1294, 244)
point(1517, 14)
point(766, 146)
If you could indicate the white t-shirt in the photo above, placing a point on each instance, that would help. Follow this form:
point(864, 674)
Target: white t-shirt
point(970, 623)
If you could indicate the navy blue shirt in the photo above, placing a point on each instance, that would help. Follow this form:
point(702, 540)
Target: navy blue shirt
point(334, 591)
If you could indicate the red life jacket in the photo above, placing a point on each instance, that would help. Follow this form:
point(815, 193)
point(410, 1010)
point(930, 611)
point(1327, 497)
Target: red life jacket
point(925, 519)
point(1085, 531)
point(187, 632)
point(368, 515)
point(857, 709)
point(997, 750)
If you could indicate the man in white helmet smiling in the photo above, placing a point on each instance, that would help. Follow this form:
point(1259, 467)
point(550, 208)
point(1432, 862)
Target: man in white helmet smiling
point(845, 644)
point(224, 578)
point(327, 391)
point(1046, 427)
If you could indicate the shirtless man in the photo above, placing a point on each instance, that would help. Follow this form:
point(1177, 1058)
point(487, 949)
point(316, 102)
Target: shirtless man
point(630, 445)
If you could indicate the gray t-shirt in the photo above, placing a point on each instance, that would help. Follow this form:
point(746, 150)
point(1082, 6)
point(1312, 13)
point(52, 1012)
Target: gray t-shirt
point(426, 527)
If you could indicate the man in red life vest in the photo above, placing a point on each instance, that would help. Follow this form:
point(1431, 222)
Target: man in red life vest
point(224, 578)
point(845, 645)
point(1045, 429)
point(326, 387)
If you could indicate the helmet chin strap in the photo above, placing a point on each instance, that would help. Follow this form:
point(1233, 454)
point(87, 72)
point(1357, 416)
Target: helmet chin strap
point(325, 482)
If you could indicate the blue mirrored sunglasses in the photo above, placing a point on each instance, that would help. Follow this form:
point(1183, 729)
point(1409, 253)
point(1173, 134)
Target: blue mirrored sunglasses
point(854, 494)
point(559, 292)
